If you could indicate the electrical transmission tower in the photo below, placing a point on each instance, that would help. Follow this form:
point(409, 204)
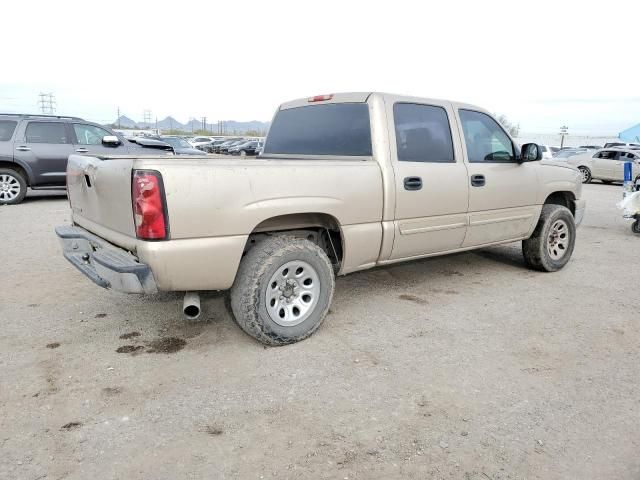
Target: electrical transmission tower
point(47, 102)
point(147, 117)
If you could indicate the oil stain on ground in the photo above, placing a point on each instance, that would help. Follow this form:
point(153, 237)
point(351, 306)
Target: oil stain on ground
point(71, 425)
point(129, 348)
point(112, 391)
point(213, 430)
point(53, 345)
point(127, 336)
point(413, 298)
point(166, 345)
point(100, 315)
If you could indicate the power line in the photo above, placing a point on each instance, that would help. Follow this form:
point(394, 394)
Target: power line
point(47, 102)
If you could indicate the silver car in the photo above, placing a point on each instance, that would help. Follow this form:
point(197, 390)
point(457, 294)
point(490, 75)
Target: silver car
point(606, 164)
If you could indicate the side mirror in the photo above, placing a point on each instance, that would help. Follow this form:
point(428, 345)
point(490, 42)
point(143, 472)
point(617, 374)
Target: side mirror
point(530, 152)
point(110, 141)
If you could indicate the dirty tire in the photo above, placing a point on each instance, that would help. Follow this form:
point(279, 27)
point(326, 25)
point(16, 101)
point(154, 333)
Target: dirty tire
point(535, 248)
point(586, 174)
point(12, 176)
point(248, 293)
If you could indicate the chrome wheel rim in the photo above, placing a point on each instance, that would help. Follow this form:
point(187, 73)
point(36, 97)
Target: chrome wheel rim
point(585, 174)
point(558, 239)
point(292, 293)
point(9, 187)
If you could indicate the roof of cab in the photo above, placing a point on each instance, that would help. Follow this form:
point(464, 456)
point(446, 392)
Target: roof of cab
point(361, 97)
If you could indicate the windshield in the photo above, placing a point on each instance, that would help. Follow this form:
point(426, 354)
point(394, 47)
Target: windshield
point(176, 142)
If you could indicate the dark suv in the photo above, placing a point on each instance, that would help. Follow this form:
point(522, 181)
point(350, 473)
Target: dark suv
point(34, 150)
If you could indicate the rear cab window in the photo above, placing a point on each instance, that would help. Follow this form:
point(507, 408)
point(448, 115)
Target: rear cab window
point(7, 127)
point(338, 129)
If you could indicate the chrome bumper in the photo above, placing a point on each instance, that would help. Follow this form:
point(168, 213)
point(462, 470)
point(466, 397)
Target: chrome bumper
point(106, 265)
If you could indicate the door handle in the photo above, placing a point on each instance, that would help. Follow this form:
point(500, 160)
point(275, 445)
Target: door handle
point(477, 180)
point(22, 148)
point(81, 150)
point(412, 183)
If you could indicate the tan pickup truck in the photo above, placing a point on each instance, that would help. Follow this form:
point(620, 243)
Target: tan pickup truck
point(346, 182)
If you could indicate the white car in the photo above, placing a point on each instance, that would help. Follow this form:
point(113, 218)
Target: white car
point(547, 151)
point(606, 164)
point(198, 142)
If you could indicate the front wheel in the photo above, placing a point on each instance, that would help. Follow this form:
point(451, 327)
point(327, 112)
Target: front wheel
point(635, 226)
point(551, 245)
point(243, 153)
point(282, 290)
point(13, 187)
point(586, 174)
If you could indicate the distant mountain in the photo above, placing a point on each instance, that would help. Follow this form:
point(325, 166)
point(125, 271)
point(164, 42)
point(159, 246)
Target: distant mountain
point(125, 122)
point(170, 123)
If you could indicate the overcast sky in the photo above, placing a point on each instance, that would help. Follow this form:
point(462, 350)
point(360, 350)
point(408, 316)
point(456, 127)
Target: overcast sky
point(542, 63)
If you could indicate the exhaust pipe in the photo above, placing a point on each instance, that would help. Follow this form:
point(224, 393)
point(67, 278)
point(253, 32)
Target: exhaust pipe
point(191, 305)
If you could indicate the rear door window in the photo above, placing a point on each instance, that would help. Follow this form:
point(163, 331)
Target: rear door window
point(486, 141)
point(423, 133)
point(341, 129)
point(46, 132)
point(7, 127)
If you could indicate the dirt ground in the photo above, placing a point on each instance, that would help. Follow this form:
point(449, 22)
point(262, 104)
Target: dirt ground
point(468, 366)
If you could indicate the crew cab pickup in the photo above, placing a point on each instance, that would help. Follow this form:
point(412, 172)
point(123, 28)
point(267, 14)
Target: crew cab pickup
point(346, 182)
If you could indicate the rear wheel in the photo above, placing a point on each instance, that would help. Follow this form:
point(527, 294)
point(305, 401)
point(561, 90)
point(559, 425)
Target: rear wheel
point(282, 290)
point(586, 174)
point(635, 226)
point(551, 245)
point(13, 187)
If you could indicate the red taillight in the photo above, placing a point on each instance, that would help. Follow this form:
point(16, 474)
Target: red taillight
point(149, 212)
point(320, 98)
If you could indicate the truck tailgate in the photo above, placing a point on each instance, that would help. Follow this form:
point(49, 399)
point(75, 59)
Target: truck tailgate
point(100, 197)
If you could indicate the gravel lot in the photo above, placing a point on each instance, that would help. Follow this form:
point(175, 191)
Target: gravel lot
point(467, 366)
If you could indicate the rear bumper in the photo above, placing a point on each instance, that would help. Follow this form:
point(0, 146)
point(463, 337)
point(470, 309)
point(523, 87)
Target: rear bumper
point(580, 206)
point(106, 265)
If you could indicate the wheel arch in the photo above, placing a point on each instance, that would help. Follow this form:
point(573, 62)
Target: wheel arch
point(23, 169)
point(319, 227)
point(564, 198)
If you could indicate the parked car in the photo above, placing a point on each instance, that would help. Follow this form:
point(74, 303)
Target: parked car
point(246, 148)
point(216, 143)
point(225, 144)
point(547, 152)
point(224, 148)
point(200, 141)
point(620, 144)
point(350, 181)
point(181, 146)
point(606, 164)
point(34, 150)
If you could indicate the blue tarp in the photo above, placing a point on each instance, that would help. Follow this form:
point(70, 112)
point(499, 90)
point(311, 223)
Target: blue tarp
point(630, 134)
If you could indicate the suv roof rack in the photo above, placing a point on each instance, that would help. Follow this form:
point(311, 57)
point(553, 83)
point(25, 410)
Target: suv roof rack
point(39, 115)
